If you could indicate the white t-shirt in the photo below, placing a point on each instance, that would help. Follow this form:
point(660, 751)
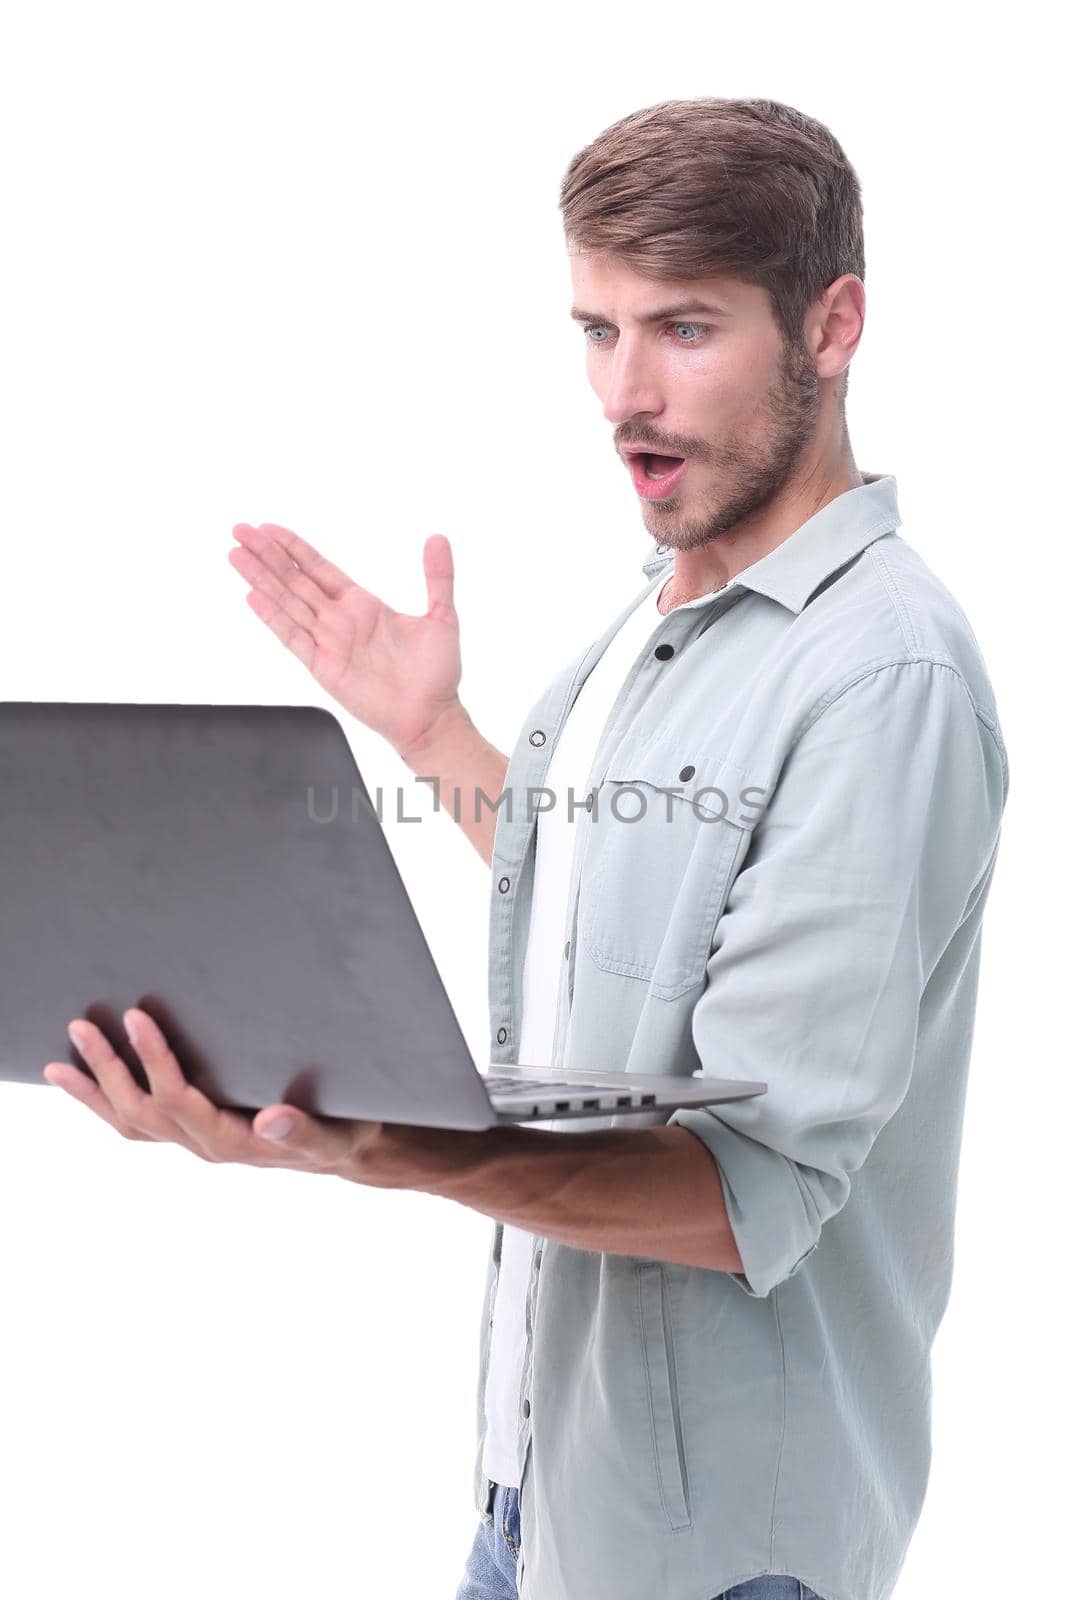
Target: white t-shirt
point(568, 771)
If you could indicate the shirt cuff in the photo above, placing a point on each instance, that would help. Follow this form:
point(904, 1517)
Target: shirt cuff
point(775, 1221)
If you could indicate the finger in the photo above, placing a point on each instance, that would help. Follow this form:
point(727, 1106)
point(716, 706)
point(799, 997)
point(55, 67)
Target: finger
point(174, 1097)
point(130, 1106)
point(223, 1134)
point(287, 588)
point(126, 1097)
point(438, 566)
point(258, 546)
point(330, 579)
point(269, 589)
point(81, 1087)
point(281, 624)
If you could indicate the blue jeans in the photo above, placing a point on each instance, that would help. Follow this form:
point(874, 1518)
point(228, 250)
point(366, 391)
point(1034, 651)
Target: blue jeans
point(490, 1571)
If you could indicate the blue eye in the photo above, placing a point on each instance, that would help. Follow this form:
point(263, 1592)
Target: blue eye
point(593, 327)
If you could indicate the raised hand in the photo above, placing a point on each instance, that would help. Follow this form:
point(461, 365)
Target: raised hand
point(396, 673)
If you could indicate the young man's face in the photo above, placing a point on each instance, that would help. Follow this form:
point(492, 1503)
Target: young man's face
point(713, 386)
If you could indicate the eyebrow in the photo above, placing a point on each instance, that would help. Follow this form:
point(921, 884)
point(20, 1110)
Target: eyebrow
point(662, 315)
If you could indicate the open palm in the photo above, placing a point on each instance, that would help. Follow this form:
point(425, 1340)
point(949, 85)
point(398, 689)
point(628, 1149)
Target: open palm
point(394, 672)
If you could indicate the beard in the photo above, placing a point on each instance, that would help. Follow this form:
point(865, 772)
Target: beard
point(753, 472)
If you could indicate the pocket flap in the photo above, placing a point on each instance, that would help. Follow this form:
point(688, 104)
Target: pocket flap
point(717, 788)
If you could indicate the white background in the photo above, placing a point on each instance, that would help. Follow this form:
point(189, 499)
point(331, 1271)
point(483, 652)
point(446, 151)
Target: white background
point(272, 262)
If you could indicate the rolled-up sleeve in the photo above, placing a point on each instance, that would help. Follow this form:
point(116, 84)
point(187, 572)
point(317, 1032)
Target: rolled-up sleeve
point(876, 843)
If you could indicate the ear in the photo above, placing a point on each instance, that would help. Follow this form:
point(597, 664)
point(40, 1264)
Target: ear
point(836, 325)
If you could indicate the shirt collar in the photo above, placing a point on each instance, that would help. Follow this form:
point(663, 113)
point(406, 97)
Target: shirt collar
point(838, 531)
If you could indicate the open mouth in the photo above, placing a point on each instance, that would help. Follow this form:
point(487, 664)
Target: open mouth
point(660, 466)
point(655, 477)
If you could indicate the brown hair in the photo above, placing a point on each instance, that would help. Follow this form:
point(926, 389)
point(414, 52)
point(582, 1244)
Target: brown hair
point(749, 189)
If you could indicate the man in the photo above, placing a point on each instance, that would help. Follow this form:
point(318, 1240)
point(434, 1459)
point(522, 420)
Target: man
point(777, 784)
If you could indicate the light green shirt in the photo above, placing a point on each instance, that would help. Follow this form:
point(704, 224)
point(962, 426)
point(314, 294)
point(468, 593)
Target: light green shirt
point(805, 910)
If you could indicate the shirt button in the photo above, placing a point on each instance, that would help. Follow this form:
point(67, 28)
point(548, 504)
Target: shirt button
point(526, 1408)
point(501, 1035)
point(504, 885)
point(537, 1259)
point(537, 737)
point(664, 652)
point(686, 773)
point(566, 950)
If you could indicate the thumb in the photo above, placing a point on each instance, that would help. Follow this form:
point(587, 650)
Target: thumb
point(281, 1125)
point(286, 1128)
point(332, 1144)
point(319, 1140)
point(437, 565)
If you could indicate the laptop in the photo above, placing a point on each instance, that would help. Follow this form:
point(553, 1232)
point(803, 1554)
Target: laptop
point(224, 868)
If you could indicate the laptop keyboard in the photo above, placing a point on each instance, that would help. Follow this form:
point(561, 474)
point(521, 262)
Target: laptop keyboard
point(554, 1086)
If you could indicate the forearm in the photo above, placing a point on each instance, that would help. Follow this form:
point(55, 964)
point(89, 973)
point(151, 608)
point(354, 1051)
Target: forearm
point(468, 772)
point(643, 1191)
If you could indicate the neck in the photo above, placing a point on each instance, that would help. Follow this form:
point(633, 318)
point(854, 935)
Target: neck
point(711, 565)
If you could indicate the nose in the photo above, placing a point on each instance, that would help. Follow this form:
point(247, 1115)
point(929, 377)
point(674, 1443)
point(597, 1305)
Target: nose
point(630, 386)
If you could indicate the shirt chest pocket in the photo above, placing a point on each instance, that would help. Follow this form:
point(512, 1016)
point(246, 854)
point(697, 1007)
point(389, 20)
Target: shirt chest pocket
point(666, 838)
